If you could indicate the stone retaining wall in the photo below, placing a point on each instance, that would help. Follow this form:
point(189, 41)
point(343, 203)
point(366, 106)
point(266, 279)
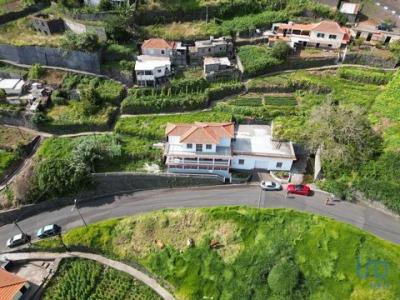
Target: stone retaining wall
point(55, 57)
point(370, 60)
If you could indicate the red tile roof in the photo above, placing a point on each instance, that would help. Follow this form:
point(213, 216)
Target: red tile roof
point(201, 133)
point(10, 284)
point(329, 27)
point(158, 44)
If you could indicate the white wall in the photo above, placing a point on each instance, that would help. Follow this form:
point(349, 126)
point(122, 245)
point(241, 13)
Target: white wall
point(336, 43)
point(257, 162)
point(157, 52)
point(225, 142)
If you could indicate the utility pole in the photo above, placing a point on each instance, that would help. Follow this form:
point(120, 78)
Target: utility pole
point(75, 206)
point(259, 198)
point(22, 232)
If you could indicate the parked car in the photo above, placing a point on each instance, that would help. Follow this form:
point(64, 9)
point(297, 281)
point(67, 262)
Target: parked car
point(18, 240)
point(48, 230)
point(270, 186)
point(299, 189)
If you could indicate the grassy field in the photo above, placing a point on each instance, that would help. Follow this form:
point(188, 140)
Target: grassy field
point(81, 279)
point(257, 254)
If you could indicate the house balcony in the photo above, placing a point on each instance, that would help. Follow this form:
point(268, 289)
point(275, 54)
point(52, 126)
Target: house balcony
point(177, 150)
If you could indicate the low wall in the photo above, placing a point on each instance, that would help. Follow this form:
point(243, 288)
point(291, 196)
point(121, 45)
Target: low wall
point(55, 57)
point(370, 60)
point(14, 15)
point(82, 28)
point(107, 185)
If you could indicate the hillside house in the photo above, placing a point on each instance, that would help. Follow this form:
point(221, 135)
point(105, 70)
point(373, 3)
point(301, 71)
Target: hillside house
point(373, 33)
point(350, 10)
point(215, 64)
point(12, 287)
point(211, 47)
point(152, 70)
point(216, 148)
point(163, 48)
point(325, 34)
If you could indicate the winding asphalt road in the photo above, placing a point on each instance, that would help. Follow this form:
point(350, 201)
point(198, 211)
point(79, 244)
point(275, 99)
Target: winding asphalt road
point(378, 223)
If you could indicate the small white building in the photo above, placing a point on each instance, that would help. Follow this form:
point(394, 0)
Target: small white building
point(350, 10)
point(152, 70)
point(12, 86)
point(216, 148)
point(254, 148)
point(215, 64)
point(212, 47)
point(370, 32)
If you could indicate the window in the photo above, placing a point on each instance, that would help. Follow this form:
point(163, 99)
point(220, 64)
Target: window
point(208, 146)
point(330, 45)
point(159, 71)
point(162, 51)
point(320, 35)
point(189, 146)
point(279, 165)
point(199, 147)
point(148, 72)
point(333, 36)
point(140, 72)
point(241, 161)
point(209, 49)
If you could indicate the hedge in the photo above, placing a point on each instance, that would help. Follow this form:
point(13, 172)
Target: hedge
point(365, 76)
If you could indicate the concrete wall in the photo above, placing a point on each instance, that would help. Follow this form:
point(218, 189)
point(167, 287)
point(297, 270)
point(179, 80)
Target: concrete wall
point(370, 60)
point(265, 163)
point(82, 28)
point(84, 61)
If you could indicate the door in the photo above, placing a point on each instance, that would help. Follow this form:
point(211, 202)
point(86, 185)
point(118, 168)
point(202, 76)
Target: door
point(369, 37)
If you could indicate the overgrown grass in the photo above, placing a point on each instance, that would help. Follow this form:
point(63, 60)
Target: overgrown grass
point(256, 59)
point(331, 257)
point(6, 159)
point(81, 279)
point(280, 100)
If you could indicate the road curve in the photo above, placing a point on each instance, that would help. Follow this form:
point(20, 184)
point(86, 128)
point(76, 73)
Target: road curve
point(385, 226)
point(150, 282)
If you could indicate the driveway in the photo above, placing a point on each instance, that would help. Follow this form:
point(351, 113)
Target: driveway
point(376, 222)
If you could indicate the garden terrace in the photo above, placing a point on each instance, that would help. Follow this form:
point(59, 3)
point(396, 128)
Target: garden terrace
point(242, 253)
point(84, 279)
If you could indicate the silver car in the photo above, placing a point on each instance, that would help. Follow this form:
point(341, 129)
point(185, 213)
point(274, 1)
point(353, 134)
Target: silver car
point(270, 186)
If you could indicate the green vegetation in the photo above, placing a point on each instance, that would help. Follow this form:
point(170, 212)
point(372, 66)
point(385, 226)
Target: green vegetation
point(64, 165)
point(374, 76)
point(81, 279)
point(280, 100)
point(36, 72)
point(257, 254)
point(88, 41)
point(6, 159)
point(257, 59)
point(181, 95)
point(95, 110)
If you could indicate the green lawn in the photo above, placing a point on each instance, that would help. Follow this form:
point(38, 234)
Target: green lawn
point(259, 254)
point(81, 279)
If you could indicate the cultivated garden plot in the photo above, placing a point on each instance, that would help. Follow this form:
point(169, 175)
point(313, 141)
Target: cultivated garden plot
point(81, 279)
point(244, 253)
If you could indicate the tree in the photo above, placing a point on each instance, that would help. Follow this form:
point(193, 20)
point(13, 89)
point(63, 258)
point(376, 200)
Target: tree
point(280, 50)
point(88, 41)
point(36, 72)
point(344, 133)
point(120, 27)
point(90, 99)
point(284, 277)
point(105, 5)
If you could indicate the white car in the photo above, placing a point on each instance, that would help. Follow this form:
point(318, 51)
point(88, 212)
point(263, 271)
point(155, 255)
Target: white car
point(18, 240)
point(270, 186)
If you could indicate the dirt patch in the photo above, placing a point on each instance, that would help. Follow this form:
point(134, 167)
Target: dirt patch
point(54, 77)
point(12, 138)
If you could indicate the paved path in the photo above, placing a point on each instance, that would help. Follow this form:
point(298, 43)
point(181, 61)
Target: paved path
point(47, 134)
point(369, 219)
point(150, 282)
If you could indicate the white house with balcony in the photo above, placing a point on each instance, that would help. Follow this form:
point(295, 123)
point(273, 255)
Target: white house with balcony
point(216, 148)
point(152, 70)
point(325, 34)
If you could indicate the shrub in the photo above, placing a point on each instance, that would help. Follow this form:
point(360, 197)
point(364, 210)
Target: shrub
point(221, 90)
point(395, 49)
point(3, 96)
point(36, 72)
point(257, 60)
point(283, 277)
point(87, 42)
point(280, 50)
point(119, 28)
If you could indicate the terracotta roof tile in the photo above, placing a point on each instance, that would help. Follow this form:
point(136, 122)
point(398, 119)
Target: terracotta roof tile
point(158, 44)
point(201, 133)
point(10, 284)
point(329, 26)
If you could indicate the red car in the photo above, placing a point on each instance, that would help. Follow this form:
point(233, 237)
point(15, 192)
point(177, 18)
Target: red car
point(299, 189)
